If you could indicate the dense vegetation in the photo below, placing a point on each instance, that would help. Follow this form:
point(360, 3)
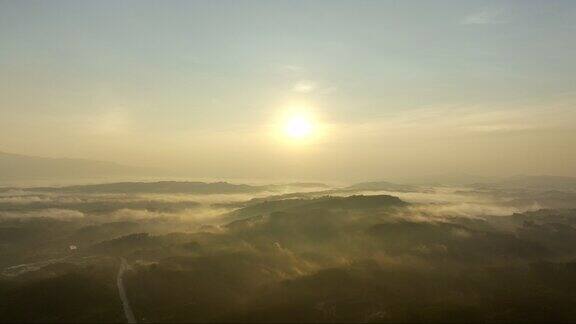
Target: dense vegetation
point(295, 257)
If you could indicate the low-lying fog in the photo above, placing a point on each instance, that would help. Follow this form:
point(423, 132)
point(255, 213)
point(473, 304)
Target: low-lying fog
point(198, 208)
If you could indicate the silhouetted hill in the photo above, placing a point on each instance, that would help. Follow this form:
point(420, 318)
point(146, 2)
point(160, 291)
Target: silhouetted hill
point(358, 202)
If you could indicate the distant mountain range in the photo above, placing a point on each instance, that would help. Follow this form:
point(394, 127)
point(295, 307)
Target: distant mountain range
point(283, 191)
point(16, 167)
point(174, 187)
point(382, 185)
point(541, 182)
point(165, 187)
point(23, 167)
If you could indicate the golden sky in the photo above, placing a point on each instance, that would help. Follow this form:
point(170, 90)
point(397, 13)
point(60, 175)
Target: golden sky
point(342, 90)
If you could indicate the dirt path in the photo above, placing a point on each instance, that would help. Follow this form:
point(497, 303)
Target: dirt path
point(122, 292)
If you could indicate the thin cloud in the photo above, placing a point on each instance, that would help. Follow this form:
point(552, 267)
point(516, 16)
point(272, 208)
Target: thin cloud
point(290, 69)
point(489, 16)
point(500, 128)
point(305, 86)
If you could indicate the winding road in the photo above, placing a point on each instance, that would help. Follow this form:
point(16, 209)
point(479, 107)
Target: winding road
point(122, 292)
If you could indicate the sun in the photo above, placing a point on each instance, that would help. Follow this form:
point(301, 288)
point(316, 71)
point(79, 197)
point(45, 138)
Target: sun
point(298, 127)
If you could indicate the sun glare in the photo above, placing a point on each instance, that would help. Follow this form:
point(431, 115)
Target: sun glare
point(298, 127)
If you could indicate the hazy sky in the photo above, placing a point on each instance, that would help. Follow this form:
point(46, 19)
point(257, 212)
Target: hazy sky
point(391, 88)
